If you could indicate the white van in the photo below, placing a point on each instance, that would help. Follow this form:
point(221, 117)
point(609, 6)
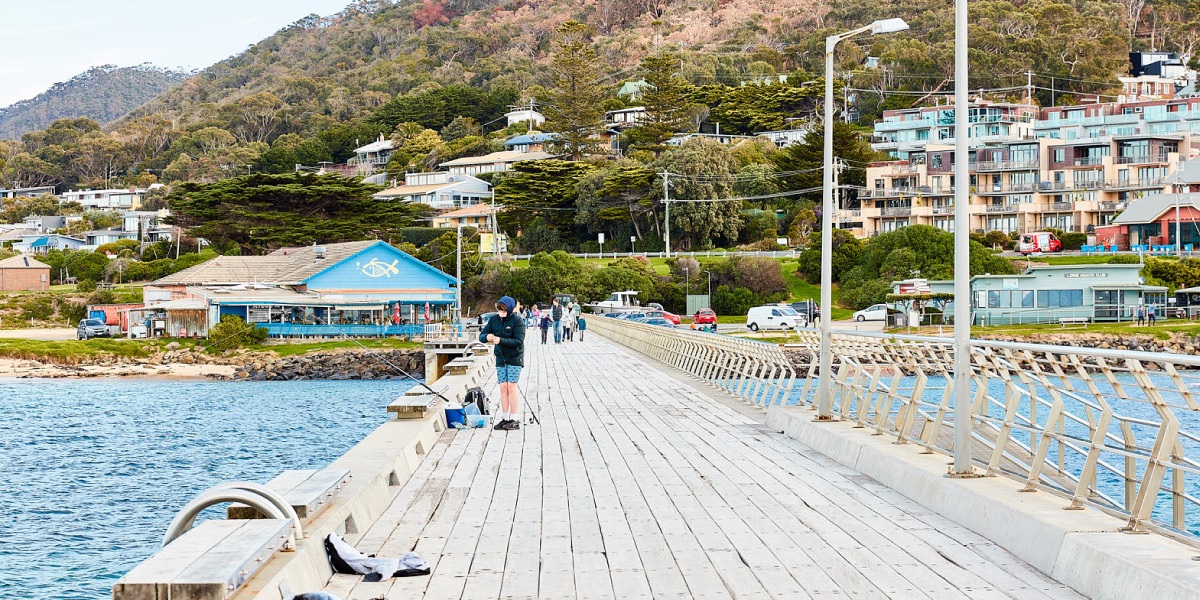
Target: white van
point(773, 316)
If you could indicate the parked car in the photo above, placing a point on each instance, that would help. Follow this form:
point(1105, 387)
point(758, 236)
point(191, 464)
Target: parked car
point(875, 312)
point(705, 316)
point(809, 308)
point(657, 321)
point(90, 328)
point(776, 316)
point(672, 317)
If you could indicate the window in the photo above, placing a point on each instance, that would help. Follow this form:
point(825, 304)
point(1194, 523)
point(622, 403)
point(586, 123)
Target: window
point(1059, 298)
point(1060, 155)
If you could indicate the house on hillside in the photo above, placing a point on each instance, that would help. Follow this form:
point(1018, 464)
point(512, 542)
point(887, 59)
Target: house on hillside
point(480, 217)
point(40, 244)
point(108, 200)
point(28, 192)
point(631, 91)
point(727, 139)
point(491, 163)
point(529, 116)
point(624, 118)
point(439, 189)
point(24, 274)
point(366, 288)
point(530, 142)
point(372, 157)
point(784, 137)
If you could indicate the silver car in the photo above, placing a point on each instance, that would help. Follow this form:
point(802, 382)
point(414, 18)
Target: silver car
point(90, 328)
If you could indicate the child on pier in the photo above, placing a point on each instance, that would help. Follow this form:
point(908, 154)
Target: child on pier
point(506, 329)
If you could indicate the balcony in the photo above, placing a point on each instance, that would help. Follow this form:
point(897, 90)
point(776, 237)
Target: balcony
point(1088, 184)
point(1112, 206)
point(1001, 208)
point(1142, 160)
point(1062, 206)
point(905, 169)
point(1149, 182)
point(897, 211)
point(1089, 161)
point(1016, 188)
point(943, 210)
point(1007, 165)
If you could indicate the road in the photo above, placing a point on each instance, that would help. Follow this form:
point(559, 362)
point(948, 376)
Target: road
point(48, 335)
point(848, 324)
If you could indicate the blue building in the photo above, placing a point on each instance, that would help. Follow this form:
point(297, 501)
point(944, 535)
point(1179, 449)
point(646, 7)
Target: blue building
point(364, 288)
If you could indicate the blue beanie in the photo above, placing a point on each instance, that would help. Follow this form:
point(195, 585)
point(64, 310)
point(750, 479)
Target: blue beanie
point(508, 303)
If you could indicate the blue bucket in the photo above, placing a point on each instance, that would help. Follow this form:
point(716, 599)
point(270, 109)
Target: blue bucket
point(456, 417)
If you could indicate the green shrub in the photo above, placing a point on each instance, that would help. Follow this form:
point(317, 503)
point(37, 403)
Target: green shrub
point(102, 297)
point(86, 286)
point(37, 307)
point(232, 332)
point(70, 310)
point(734, 300)
point(1073, 241)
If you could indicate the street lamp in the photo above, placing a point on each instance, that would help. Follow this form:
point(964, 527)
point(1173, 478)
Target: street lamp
point(824, 397)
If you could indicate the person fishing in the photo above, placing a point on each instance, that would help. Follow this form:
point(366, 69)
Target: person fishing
point(506, 329)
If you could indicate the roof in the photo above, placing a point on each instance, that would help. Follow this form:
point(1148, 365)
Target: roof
point(508, 156)
point(1150, 207)
point(468, 211)
point(16, 234)
point(22, 262)
point(305, 264)
point(413, 190)
point(181, 304)
point(40, 242)
point(1188, 172)
point(532, 138)
point(377, 146)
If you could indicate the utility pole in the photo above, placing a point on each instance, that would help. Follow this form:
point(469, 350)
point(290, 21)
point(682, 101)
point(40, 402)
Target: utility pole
point(667, 217)
point(837, 192)
point(1028, 87)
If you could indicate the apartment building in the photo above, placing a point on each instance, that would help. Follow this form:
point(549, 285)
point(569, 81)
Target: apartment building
point(1072, 168)
point(108, 200)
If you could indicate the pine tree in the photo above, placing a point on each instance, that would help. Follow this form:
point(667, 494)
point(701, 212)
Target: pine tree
point(573, 108)
point(667, 100)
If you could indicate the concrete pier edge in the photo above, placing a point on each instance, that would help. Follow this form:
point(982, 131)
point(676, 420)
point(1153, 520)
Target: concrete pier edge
point(1081, 549)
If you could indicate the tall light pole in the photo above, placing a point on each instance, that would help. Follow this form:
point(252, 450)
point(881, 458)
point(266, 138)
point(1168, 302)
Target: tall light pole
point(962, 252)
point(824, 395)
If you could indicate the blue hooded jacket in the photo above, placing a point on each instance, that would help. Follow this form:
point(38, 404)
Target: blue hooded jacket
point(510, 351)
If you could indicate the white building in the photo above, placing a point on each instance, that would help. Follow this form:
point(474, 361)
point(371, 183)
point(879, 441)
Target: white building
point(441, 190)
point(528, 116)
point(784, 138)
point(108, 200)
point(374, 156)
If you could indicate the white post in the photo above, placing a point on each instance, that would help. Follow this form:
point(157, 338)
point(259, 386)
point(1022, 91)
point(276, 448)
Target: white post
point(824, 395)
point(962, 250)
point(667, 216)
point(1178, 237)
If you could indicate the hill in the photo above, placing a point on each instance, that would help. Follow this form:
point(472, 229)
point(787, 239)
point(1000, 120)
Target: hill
point(342, 67)
point(102, 94)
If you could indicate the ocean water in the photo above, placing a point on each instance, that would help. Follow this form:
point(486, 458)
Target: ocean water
point(92, 472)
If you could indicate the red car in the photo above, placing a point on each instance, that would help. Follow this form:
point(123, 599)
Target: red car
point(672, 317)
point(705, 316)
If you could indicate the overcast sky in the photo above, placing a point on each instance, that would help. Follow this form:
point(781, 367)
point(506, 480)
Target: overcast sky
point(48, 41)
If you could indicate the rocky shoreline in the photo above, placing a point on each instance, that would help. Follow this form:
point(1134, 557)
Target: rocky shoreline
point(178, 362)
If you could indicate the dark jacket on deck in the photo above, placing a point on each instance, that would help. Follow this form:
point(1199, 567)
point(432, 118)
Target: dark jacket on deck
point(510, 351)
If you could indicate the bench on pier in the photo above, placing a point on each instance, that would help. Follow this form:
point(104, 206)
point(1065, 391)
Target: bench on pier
point(1079, 321)
point(460, 365)
point(209, 562)
point(413, 406)
point(308, 492)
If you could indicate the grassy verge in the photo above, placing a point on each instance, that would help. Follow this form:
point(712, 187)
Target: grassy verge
point(70, 351)
point(1073, 260)
point(1162, 331)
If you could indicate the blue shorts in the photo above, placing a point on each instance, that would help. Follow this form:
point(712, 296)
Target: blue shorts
point(509, 374)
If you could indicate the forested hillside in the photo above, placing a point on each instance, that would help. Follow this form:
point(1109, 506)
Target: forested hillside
point(102, 94)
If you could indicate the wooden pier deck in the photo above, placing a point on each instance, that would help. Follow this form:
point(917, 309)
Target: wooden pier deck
point(640, 483)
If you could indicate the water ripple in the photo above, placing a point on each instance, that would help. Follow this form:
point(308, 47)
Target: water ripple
point(91, 472)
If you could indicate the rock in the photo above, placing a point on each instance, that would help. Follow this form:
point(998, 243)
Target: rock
point(173, 346)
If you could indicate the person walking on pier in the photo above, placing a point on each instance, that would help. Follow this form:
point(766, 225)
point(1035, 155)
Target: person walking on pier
point(582, 325)
point(1141, 315)
point(556, 315)
point(1151, 315)
point(506, 329)
point(545, 326)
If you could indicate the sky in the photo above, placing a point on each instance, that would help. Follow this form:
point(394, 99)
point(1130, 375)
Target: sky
point(49, 41)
